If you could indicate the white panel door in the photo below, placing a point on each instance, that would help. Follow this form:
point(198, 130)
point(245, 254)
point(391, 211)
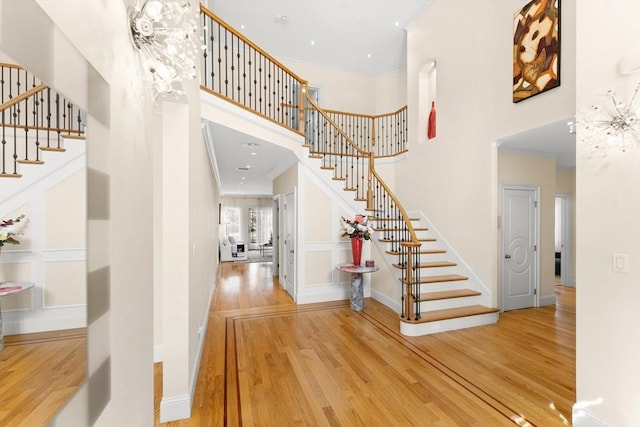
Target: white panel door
point(519, 248)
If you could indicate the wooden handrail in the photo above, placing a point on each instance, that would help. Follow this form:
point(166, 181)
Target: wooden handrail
point(365, 116)
point(332, 123)
point(5, 65)
point(414, 237)
point(249, 42)
point(23, 96)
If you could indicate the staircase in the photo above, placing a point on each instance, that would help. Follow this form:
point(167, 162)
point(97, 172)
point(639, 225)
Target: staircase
point(34, 119)
point(440, 292)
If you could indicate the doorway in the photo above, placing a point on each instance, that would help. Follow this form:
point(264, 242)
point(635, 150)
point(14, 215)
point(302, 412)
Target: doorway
point(519, 247)
point(276, 236)
point(563, 256)
point(290, 242)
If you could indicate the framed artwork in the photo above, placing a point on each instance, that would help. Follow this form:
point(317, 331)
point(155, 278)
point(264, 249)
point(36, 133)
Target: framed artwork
point(536, 48)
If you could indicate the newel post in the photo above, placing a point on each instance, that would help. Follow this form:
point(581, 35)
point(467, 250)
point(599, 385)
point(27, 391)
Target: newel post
point(373, 131)
point(409, 299)
point(370, 182)
point(301, 108)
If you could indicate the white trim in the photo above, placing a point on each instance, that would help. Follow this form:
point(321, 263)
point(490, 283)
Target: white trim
point(583, 418)
point(203, 333)
point(547, 300)
point(175, 408)
point(418, 329)
point(157, 353)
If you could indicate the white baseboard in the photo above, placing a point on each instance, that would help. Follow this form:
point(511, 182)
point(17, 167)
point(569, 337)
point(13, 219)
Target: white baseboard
point(582, 418)
point(419, 329)
point(547, 300)
point(313, 294)
point(157, 353)
point(385, 300)
point(175, 408)
point(25, 322)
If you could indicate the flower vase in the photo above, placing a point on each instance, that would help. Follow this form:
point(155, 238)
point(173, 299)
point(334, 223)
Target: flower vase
point(356, 250)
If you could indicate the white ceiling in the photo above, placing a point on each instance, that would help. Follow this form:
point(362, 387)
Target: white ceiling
point(345, 33)
point(551, 140)
point(364, 36)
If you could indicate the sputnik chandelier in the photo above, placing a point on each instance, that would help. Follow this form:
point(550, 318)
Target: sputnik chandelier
point(617, 120)
point(166, 33)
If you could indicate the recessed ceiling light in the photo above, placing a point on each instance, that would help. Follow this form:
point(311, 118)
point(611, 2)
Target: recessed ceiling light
point(368, 55)
point(397, 23)
point(313, 42)
point(248, 166)
point(243, 178)
point(242, 169)
point(242, 27)
point(253, 153)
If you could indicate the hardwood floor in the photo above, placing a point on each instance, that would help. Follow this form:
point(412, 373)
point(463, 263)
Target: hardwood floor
point(38, 374)
point(268, 362)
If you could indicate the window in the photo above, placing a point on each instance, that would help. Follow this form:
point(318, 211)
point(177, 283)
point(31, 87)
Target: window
point(232, 222)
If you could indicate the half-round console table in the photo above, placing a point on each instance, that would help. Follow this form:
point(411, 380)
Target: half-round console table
point(8, 288)
point(357, 294)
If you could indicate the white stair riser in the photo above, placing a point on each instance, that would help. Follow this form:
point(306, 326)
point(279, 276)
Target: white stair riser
point(449, 303)
point(445, 286)
point(418, 329)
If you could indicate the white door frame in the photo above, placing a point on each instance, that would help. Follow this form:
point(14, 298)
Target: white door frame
point(503, 291)
point(290, 248)
point(275, 248)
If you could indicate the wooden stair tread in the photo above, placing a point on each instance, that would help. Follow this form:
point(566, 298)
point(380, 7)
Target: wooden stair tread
point(421, 252)
point(421, 239)
point(399, 229)
point(454, 313)
point(10, 175)
point(315, 156)
point(432, 264)
point(335, 178)
point(393, 219)
point(31, 162)
point(440, 279)
point(60, 150)
point(456, 293)
point(69, 136)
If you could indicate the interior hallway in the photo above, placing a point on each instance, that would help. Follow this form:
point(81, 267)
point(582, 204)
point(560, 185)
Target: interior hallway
point(268, 362)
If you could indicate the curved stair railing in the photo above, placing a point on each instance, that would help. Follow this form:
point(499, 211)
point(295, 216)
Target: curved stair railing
point(356, 167)
point(34, 118)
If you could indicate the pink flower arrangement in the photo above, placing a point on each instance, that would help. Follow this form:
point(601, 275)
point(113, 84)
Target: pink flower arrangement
point(357, 228)
point(8, 230)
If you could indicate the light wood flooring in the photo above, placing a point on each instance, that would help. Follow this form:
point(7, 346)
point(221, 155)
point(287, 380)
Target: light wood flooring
point(268, 362)
point(38, 374)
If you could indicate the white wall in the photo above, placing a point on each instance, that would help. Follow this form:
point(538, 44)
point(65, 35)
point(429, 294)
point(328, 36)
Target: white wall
point(352, 92)
point(608, 200)
point(456, 183)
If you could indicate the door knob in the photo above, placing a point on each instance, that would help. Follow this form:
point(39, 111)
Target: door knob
point(507, 256)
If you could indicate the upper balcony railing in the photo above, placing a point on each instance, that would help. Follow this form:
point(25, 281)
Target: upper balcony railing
point(237, 70)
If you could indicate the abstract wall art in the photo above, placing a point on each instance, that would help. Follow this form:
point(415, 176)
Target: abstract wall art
point(536, 48)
